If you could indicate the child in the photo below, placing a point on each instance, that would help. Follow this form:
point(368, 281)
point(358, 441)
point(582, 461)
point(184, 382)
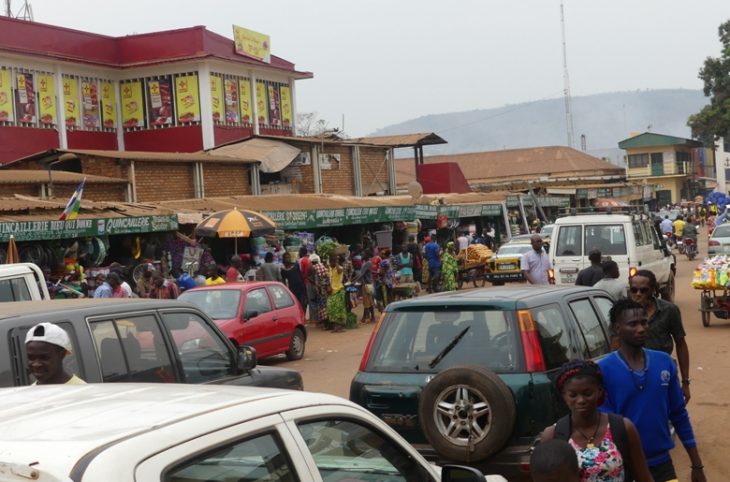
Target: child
point(554, 461)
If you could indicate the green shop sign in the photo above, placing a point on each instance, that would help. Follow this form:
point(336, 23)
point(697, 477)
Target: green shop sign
point(82, 228)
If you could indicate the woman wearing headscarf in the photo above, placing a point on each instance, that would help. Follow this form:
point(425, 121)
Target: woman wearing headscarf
point(323, 289)
point(450, 268)
point(336, 307)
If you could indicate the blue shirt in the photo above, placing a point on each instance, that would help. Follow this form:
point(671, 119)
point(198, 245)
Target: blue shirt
point(433, 254)
point(650, 399)
point(666, 226)
point(103, 291)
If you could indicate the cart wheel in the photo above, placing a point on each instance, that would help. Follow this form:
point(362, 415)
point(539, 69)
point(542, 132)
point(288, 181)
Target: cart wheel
point(705, 305)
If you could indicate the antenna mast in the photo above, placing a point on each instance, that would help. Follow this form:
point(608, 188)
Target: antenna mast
point(25, 12)
point(566, 83)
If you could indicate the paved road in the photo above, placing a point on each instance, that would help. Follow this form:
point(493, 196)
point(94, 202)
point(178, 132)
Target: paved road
point(331, 360)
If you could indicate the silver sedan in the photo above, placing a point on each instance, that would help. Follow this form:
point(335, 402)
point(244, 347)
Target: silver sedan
point(719, 242)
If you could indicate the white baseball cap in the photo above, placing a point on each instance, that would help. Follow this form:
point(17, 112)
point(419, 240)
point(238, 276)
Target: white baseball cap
point(49, 333)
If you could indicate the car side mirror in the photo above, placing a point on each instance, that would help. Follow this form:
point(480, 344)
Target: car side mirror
point(250, 314)
point(246, 358)
point(461, 473)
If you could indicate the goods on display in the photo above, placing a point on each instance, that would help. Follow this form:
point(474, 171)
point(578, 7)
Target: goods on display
point(713, 273)
point(476, 254)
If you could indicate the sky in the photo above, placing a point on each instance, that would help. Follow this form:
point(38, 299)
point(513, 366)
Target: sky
point(380, 62)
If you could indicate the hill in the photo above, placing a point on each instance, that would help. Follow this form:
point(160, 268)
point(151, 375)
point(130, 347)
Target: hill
point(604, 119)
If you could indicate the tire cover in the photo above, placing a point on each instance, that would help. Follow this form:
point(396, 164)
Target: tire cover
point(475, 405)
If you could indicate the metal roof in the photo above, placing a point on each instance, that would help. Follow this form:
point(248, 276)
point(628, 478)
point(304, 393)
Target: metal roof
point(52, 155)
point(28, 208)
point(402, 140)
point(650, 139)
point(27, 176)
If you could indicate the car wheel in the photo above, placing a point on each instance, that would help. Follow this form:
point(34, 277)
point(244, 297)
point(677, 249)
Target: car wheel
point(467, 413)
point(296, 345)
point(667, 291)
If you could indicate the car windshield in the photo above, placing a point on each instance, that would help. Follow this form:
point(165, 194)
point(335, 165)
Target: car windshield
point(546, 230)
point(508, 249)
point(409, 340)
point(217, 304)
point(722, 231)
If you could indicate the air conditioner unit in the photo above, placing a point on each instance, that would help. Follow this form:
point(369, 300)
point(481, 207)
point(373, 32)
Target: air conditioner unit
point(303, 159)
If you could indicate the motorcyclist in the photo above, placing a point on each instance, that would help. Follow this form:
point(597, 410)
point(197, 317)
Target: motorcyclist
point(666, 225)
point(690, 230)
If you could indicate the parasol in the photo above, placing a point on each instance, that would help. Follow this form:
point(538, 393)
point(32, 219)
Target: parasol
point(609, 203)
point(12, 255)
point(235, 223)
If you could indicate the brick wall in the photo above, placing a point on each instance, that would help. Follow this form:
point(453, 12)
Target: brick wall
point(226, 179)
point(32, 189)
point(93, 192)
point(374, 170)
point(338, 179)
point(164, 181)
point(105, 166)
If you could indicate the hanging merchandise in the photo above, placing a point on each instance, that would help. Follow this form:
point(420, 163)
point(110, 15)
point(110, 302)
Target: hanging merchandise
point(442, 221)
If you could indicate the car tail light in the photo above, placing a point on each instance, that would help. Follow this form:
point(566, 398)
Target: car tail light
point(369, 347)
point(534, 360)
point(713, 242)
point(632, 271)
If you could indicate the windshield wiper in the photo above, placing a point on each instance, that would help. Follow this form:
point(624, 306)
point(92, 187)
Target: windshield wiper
point(448, 348)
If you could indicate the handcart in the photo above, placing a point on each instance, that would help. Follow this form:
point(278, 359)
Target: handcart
point(472, 263)
point(712, 302)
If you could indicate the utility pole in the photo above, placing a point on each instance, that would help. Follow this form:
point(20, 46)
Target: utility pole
point(566, 83)
point(8, 10)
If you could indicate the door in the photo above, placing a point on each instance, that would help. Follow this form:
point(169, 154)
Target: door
point(287, 314)
point(567, 254)
point(613, 242)
point(259, 325)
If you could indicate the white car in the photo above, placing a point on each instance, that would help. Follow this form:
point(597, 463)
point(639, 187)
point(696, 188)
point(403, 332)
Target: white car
point(182, 433)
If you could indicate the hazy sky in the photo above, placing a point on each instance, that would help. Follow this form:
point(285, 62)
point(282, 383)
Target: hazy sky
point(378, 62)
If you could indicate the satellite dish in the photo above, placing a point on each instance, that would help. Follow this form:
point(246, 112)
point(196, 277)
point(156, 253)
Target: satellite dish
point(415, 189)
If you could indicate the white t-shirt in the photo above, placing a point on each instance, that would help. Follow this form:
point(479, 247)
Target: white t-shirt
point(463, 242)
point(537, 264)
point(615, 287)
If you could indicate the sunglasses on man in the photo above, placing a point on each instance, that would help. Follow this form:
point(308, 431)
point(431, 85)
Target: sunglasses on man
point(642, 289)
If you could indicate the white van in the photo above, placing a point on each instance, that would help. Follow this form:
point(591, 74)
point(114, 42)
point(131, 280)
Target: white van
point(22, 282)
point(628, 239)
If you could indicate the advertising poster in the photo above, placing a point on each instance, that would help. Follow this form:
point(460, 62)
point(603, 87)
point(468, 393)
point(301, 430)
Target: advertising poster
point(244, 99)
point(186, 98)
point(108, 105)
point(25, 98)
point(159, 101)
point(132, 104)
point(274, 106)
point(252, 44)
point(216, 97)
point(231, 89)
point(90, 104)
point(6, 97)
point(71, 107)
point(262, 108)
point(286, 106)
point(47, 99)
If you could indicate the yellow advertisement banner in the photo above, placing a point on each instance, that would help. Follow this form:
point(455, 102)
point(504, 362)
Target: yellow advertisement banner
point(262, 105)
point(244, 98)
point(6, 97)
point(132, 104)
point(71, 107)
point(286, 106)
point(47, 99)
point(252, 44)
point(216, 97)
point(187, 98)
point(108, 105)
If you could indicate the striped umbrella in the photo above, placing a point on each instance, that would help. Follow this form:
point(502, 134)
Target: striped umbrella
point(235, 223)
point(12, 255)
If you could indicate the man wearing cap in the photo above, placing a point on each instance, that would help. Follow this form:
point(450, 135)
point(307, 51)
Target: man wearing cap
point(45, 346)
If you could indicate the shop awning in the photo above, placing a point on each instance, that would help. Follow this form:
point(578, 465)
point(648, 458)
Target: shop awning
point(273, 155)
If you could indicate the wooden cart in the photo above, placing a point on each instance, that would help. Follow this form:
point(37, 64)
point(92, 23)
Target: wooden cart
point(711, 302)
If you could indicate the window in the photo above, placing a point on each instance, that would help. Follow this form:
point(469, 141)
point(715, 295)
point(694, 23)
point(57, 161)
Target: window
point(345, 450)
point(638, 160)
point(262, 458)
point(569, 241)
point(590, 326)
point(604, 307)
point(257, 301)
point(554, 336)
point(609, 239)
point(638, 234)
point(21, 376)
point(132, 350)
point(14, 289)
point(281, 297)
point(204, 356)
point(218, 304)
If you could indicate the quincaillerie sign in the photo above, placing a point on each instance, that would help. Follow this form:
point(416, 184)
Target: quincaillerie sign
point(81, 228)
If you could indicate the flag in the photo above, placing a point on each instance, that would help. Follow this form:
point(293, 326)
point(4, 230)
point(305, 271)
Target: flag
point(73, 204)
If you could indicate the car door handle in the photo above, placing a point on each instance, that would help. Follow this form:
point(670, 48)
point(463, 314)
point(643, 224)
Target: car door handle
point(577, 260)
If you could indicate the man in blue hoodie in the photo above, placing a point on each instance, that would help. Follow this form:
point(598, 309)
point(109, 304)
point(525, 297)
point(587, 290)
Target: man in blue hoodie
point(642, 385)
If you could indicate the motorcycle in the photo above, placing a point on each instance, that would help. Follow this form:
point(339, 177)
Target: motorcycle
point(680, 244)
point(690, 248)
point(669, 239)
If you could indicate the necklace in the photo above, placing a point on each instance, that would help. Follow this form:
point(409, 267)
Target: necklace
point(590, 439)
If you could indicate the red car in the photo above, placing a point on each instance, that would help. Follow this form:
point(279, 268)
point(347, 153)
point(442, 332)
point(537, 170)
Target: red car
point(262, 314)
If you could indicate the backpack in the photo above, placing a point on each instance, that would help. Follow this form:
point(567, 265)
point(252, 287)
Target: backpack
point(563, 429)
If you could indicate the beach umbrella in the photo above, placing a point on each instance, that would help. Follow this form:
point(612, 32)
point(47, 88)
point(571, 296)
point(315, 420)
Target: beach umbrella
point(609, 203)
point(235, 223)
point(12, 255)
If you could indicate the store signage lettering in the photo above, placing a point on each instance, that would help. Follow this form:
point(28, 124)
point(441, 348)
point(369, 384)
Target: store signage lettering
point(46, 230)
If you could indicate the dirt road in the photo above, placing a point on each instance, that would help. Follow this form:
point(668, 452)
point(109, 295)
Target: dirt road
point(331, 360)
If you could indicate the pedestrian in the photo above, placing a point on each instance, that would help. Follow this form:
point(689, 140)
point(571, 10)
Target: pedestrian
point(592, 274)
point(554, 461)
point(366, 278)
point(124, 286)
point(415, 253)
point(433, 256)
point(214, 276)
point(323, 288)
point(163, 289)
point(608, 445)
point(293, 279)
point(270, 271)
point(337, 299)
point(535, 263)
point(463, 241)
point(103, 289)
point(642, 385)
point(115, 283)
point(46, 345)
point(610, 282)
point(405, 265)
point(144, 284)
point(233, 273)
point(665, 323)
point(450, 267)
point(309, 288)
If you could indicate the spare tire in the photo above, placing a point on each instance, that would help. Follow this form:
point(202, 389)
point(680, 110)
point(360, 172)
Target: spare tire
point(467, 413)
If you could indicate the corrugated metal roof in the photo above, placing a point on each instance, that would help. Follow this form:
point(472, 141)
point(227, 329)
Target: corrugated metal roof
point(20, 207)
point(26, 176)
point(650, 139)
point(402, 140)
point(141, 156)
point(517, 165)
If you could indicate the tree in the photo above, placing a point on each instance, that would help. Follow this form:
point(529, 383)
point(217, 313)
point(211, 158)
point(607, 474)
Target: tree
point(309, 124)
point(713, 121)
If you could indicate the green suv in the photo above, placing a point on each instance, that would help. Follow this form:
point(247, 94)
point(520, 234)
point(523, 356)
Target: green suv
point(467, 377)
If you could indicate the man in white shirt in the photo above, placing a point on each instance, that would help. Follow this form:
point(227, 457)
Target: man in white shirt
point(463, 241)
point(615, 287)
point(535, 263)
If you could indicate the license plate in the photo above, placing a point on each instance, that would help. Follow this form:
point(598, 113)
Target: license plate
point(567, 279)
point(506, 267)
